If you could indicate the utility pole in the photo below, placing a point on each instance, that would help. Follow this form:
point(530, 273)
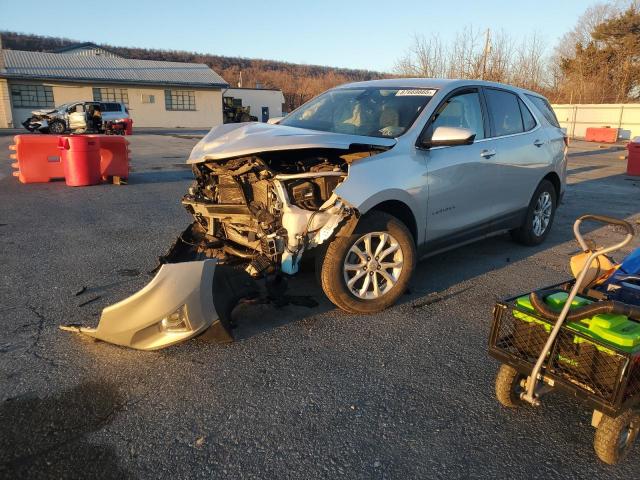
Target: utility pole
point(485, 54)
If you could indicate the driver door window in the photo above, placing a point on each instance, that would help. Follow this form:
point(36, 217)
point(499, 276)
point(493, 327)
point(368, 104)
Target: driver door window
point(463, 111)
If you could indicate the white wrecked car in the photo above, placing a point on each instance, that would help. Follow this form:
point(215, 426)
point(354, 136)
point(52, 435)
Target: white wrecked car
point(371, 176)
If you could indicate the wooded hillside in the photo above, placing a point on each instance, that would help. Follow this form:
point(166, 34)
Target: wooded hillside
point(299, 83)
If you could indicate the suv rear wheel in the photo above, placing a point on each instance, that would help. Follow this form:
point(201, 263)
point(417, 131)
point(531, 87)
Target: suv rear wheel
point(540, 215)
point(369, 270)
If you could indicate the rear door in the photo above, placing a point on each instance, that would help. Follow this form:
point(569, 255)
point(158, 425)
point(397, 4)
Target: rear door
point(557, 146)
point(461, 179)
point(521, 146)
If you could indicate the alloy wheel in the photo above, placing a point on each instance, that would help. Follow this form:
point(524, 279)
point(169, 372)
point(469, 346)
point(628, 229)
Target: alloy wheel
point(542, 213)
point(373, 265)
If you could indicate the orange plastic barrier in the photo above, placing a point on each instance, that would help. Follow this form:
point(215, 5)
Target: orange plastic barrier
point(633, 160)
point(114, 156)
point(602, 135)
point(81, 160)
point(39, 160)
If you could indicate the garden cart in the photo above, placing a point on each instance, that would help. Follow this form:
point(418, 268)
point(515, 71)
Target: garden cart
point(581, 337)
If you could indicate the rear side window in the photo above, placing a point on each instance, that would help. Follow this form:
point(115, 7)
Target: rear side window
point(112, 107)
point(546, 110)
point(527, 118)
point(504, 112)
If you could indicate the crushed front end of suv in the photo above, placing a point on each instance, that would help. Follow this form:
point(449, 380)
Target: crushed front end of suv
point(40, 119)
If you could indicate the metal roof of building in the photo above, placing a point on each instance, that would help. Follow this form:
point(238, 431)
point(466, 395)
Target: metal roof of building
point(83, 46)
point(81, 68)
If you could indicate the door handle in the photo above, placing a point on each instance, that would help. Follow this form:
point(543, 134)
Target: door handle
point(487, 153)
point(538, 143)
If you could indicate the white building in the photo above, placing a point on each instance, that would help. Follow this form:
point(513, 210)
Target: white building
point(265, 103)
point(157, 94)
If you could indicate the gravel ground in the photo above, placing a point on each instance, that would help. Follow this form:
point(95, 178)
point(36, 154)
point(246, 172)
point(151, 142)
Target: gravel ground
point(304, 393)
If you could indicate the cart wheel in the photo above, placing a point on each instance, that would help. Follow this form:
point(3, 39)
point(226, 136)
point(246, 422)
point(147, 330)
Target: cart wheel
point(509, 386)
point(615, 436)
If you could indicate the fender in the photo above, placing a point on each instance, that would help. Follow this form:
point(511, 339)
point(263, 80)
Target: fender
point(363, 205)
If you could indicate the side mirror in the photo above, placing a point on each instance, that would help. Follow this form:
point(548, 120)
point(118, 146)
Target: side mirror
point(449, 137)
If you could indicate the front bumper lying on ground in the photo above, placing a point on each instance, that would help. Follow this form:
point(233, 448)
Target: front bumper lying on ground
point(175, 306)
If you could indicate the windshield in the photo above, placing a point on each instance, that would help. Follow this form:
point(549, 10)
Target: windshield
point(62, 107)
point(373, 112)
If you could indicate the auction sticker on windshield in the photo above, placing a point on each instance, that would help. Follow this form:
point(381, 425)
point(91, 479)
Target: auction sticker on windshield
point(416, 92)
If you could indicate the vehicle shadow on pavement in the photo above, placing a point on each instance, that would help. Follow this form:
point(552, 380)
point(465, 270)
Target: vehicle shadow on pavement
point(160, 176)
point(252, 319)
point(49, 437)
point(445, 270)
point(586, 153)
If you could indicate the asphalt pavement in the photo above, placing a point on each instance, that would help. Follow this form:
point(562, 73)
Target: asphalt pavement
point(304, 393)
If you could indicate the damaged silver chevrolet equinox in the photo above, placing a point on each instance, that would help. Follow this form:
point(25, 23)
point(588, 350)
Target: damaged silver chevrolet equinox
point(370, 176)
point(377, 174)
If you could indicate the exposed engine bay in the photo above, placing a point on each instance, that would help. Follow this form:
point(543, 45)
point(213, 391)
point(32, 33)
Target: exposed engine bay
point(265, 210)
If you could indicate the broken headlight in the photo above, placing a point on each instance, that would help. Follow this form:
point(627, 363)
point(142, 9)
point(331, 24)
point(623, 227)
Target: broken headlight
point(178, 321)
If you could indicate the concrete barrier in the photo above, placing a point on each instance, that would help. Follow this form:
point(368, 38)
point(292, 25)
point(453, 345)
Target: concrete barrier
point(576, 118)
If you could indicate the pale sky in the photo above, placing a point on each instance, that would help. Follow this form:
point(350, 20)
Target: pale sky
point(357, 34)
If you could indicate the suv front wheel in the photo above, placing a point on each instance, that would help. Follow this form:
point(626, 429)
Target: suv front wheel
point(57, 127)
point(369, 270)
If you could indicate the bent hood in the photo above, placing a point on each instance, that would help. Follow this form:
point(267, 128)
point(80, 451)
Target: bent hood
point(238, 139)
point(43, 112)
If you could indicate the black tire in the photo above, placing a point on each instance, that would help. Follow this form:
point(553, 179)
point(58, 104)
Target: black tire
point(57, 127)
point(526, 234)
point(331, 265)
point(615, 436)
point(509, 387)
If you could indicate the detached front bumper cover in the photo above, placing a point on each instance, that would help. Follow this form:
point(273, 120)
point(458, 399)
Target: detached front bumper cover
point(175, 306)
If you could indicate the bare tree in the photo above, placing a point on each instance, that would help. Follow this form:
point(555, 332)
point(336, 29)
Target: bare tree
point(499, 58)
point(581, 33)
point(426, 58)
point(464, 57)
point(530, 68)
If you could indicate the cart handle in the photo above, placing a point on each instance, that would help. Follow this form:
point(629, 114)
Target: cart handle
point(529, 394)
point(607, 220)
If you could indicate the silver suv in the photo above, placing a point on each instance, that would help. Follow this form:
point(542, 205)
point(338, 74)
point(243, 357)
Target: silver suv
point(373, 176)
point(76, 117)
